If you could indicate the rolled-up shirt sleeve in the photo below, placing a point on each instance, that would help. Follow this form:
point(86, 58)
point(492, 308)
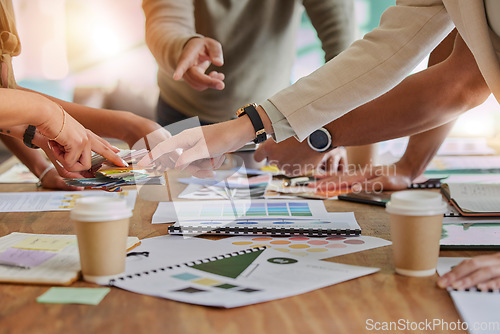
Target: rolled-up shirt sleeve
point(169, 25)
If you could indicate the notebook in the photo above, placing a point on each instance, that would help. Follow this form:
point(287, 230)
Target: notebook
point(467, 236)
point(336, 223)
point(479, 310)
point(473, 199)
point(239, 278)
point(42, 258)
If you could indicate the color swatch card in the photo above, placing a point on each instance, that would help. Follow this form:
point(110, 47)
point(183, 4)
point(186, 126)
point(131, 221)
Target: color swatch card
point(478, 309)
point(240, 278)
point(336, 223)
point(227, 210)
point(309, 247)
point(54, 200)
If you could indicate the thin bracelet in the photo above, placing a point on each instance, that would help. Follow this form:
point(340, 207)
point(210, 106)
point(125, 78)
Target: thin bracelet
point(42, 175)
point(63, 124)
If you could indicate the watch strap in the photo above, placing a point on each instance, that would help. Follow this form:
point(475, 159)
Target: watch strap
point(28, 136)
point(253, 114)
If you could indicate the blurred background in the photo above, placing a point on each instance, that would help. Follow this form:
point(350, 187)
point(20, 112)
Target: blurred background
point(93, 52)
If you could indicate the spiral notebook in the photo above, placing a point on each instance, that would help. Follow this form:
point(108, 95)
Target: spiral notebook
point(336, 223)
point(239, 278)
point(479, 309)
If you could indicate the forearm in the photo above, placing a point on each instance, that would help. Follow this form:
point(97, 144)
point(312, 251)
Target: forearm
point(107, 123)
point(33, 159)
point(423, 101)
point(169, 25)
point(21, 108)
point(368, 68)
point(421, 149)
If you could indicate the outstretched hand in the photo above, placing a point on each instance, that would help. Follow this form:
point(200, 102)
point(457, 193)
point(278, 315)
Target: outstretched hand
point(196, 57)
point(200, 150)
point(368, 178)
point(297, 158)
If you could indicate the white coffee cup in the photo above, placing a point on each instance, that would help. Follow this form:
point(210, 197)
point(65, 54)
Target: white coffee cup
point(416, 223)
point(102, 225)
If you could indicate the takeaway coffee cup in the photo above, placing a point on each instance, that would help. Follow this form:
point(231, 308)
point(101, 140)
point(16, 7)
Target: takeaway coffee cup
point(102, 229)
point(416, 220)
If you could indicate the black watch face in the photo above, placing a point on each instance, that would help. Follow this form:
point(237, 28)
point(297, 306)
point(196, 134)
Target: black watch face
point(319, 140)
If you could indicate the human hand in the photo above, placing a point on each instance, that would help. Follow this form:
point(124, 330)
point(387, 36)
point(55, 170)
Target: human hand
point(138, 129)
point(201, 149)
point(297, 158)
point(370, 178)
point(196, 57)
point(481, 271)
point(52, 180)
point(73, 143)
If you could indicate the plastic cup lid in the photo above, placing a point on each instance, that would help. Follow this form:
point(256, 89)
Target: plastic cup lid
point(416, 203)
point(100, 208)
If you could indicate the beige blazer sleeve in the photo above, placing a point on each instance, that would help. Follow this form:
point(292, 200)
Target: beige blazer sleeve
point(169, 25)
point(367, 69)
point(470, 19)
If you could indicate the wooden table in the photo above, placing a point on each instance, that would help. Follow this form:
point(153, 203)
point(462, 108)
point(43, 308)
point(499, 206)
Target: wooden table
point(350, 307)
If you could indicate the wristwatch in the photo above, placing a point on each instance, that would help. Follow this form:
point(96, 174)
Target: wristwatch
point(28, 136)
point(320, 140)
point(253, 114)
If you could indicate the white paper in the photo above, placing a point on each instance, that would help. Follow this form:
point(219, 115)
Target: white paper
point(480, 310)
point(270, 276)
point(55, 200)
point(470, 235)
point(225, 210)
point(308, 247)
point(169, 250)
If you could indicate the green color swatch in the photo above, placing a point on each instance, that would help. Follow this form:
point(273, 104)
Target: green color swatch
point(229, 267)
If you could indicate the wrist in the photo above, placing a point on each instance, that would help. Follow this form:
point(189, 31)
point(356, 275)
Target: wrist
point(43, 174)
point(53, 120)
point(245, 129)
point(265, 120)
point(407, 169)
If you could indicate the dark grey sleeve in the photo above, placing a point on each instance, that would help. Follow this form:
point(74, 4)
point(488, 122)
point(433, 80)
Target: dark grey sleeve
point(334, 22)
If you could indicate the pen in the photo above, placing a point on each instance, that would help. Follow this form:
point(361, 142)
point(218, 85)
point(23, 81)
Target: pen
point(12, 264)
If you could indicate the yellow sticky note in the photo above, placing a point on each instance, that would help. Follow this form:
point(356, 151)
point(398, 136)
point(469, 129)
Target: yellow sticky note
point(46, 244)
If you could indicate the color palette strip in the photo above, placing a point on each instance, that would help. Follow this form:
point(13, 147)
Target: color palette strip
point(250, 209)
